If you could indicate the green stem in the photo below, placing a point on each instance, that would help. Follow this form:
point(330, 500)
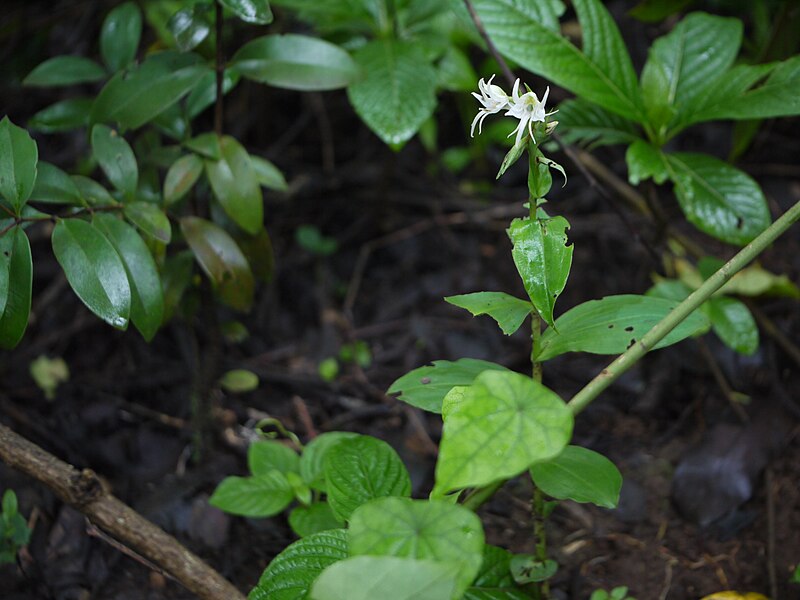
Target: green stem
point(537, 508)
point(478, 496)
point(536, 334)
point(626, 360)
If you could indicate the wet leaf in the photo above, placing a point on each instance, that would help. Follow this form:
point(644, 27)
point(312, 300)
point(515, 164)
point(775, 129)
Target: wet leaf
point(16, 283)
point(18, 165)
point(234, 183)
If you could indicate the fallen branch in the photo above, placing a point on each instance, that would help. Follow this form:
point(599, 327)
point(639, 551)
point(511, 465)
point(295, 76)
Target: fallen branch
point(83, 491)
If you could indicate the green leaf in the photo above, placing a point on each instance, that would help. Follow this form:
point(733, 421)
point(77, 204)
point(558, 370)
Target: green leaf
point(295, 62)
point(426, 387)
point(119, 36)
point(176, 276)
point(420, 529)
point(147, 298)
point(235, 185)
point(259, 496)
point(684, 63)
point(204, 93)
point(181, 176)
point(796, 575)
point(62, 116)
point(397, 93)
point(206, 145)
point(613, 324)
point(54, 186)
point(543, 260)
point(527, 568)
point(65, 70)
point(508, 311)
point(313, 458)
point(222, 260)
point(259, 253)
point(361, 469)
point(266, 455)
point(581, 475)
point(239, 381)
point(593, 125)
point(16, 284)
point(645, 161)
point(94, 270)
point(150, 219)
point(268, 175)
point(128, 97)
point(250, 11)
point(494, 581)
point(732, 321)
point(670, 289)
point(10, 506)
point(601, 73)
point(307, 520)
point(496, 428)
point(92, 192)
point(18, 157)
point(385, 577)
point(116, 159)
point(190, 26)
point(717, 198)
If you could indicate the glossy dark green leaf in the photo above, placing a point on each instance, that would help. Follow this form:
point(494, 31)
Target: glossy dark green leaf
point(581, 475)
point(18, 157)
point(119, 36)
point(426, 387)
point(128, 97)
point(645, 161)
point(613, 324)
point(65, 70)
point(250, 11)
point(268, 175)
point(508, 311)
point(204, 94)
point(732, 321)
point(16, 282)
point(259, 496)
point(397, 92)
point(234, 183)
point(94, 270)
point(206, 144)
point(295, 62)
point(92, 192)
point(62, 116)
point(591, 124)
point(116, 159)
point(147, 297)
point(307, 520)
point(312, 460)
point(54, 186)
point(190, 26)
point(494, 581)
point(150, 219)
point(222, 260)
point(181, 176)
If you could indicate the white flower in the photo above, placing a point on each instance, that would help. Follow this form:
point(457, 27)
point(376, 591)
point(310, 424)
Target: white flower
point(528, 109)
point(493, 99)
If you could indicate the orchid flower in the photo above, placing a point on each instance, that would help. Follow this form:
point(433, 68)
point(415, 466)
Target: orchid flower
point(528, 109)
point(493, 99)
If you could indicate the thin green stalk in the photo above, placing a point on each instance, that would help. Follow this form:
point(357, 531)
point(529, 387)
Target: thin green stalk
point(626, 360)
point(478, 496)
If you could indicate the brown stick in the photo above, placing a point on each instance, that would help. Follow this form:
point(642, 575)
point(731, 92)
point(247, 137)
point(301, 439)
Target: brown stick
point(83, 490)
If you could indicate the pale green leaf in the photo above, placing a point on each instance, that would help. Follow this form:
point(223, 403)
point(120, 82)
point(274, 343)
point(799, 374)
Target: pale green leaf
point(266, 455)
point(258, 496)
point(238, 381)
point(508, 311)
point(732, 321)
point(312, 460)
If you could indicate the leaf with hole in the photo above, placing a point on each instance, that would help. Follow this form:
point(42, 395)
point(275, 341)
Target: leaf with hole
point(18, 165)
point(16, 284)
point(581, 475)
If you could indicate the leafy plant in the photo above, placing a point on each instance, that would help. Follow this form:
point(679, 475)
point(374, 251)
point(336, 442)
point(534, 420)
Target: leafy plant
point(14, 532)
point(618, 593)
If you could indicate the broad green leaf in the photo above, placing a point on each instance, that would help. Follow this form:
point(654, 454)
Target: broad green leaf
point(250, 11)
point(65, 70)
point(94, 270)
point(614, 324)
point(119, 36)
point(222, 260)
point(386, 577)
point(496, 428)
point(455, 71)
point(239, 381)
point(92, 192)
point(147, 299)
point(128, 97)
point(62, 116)
point(581, 475)
point(420, 529)
point(426, 387)
point(268, 175)
point(206, 145)
point(267, 455)
point(16, 283)
point(18, 157)
point(150, 219)
point(204, 94)
point(290, 574)
point(528, 568)
point(717, 198)
point(494, 581)
point(258, 496)
point(295, 62)
point(508, 311)
point(590, 124)
point(645, 161)
point(732, 321)
point(684, 63)
point(397, 93)
point(543, 260)
point(54, 186)
point(313, 458)
point(190, 26)
point(115, 158)
point(181, 176)
point(361, 469)
point(307, 520)
point(234, 183)
point(601, 72)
